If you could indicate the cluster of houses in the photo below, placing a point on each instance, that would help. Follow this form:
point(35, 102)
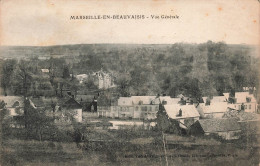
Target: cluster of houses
point(219, 115)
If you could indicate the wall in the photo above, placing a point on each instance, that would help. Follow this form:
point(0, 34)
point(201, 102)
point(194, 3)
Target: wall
point(253, 108)
point(135, 112)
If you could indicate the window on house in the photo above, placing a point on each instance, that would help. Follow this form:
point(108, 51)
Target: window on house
point(245, 106)
point(136, 108)
point(150, 109)
point(144, 108)
point(164, 102)
point(249, 106)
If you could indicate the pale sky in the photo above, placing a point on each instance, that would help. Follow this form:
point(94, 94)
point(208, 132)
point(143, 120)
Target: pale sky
point(47, 22)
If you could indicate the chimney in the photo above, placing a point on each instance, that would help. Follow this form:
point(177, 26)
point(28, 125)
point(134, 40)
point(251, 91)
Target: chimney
point(180, 112)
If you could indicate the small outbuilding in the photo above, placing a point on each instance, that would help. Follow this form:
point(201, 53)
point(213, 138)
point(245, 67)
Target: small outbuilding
point(227, 129)
point(73, 108)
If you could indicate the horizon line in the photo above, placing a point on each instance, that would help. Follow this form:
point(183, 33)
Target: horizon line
point(127, 44)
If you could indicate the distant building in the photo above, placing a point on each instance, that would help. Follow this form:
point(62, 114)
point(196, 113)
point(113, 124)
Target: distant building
point(243, 101)
point(214, 99)
point(228, 129)
point(103, 80)
point(138, 107)
point(86, 101)
point(14, 104)
point(46, 71)
point(81, 77)
point(184, 114)
point(116, 125)
point(72, 108)
point(214, 110)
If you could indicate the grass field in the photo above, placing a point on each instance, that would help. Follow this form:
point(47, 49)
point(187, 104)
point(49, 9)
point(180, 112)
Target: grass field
point(139, 151)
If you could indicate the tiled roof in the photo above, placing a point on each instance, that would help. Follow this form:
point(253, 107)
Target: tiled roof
point(219, 125)
point(188, 111)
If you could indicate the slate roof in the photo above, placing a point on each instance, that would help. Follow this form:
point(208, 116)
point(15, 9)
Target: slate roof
point(219, 125)
point(12, 101)
point(188, 111)
point(72, 104)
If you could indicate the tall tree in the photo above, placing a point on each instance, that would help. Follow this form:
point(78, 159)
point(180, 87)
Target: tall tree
point(7, 72)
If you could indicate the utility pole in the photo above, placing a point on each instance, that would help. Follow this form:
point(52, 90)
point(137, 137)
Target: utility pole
point(164, 147)
point(164, 144)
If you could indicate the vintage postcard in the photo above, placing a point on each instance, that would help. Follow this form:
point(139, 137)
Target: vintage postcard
point(133, 82)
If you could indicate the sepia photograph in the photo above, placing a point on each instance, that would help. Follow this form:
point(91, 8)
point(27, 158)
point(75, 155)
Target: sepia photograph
point(118, 83)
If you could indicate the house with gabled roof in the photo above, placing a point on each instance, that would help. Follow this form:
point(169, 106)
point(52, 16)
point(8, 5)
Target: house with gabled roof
point(243, 101)
point(184, 114)
point(214, 110)
point(72, 108)
point(141, 107)
point(227, 129)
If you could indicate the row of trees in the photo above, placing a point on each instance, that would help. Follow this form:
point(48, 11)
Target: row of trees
point(193, 70)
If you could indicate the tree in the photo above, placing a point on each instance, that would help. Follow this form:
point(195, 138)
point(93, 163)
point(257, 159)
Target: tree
point(123, 83)
point(164, 123)
point(36, 120)
point(7, 72)
point(4, 119)
point(66, 72)
point(22, 79)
